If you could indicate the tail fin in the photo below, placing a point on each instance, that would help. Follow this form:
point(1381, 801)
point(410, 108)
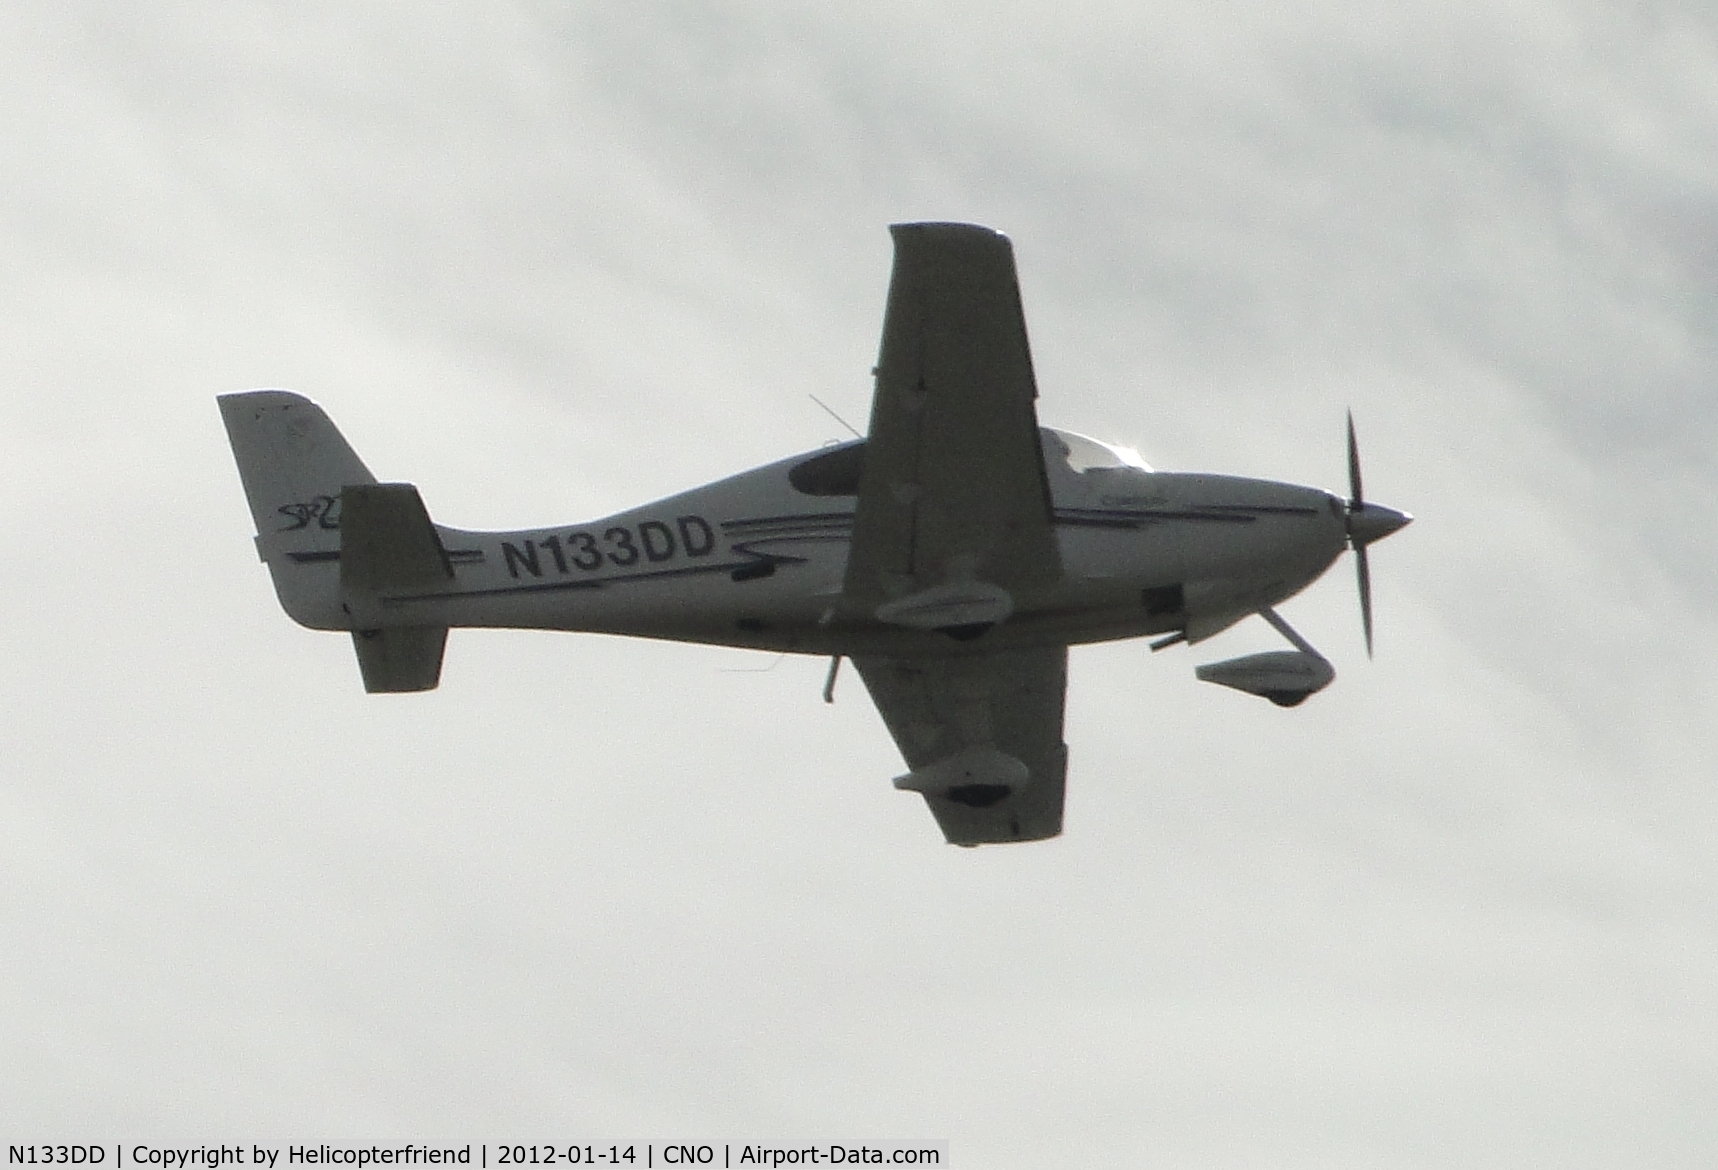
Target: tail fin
point(294, 464)
point(302, 479)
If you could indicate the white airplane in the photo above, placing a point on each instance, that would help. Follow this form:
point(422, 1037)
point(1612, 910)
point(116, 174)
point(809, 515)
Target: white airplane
point(954, 554)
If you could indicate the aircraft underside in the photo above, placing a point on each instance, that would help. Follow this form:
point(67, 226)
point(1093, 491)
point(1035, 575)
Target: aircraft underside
point(953, 554)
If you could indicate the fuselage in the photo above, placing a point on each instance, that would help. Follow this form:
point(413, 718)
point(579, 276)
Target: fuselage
point(757, 560)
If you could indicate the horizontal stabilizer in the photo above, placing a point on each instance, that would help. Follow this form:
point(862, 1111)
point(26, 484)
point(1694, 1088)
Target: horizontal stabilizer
point(400, 658)
point(388, 546)
point(387, 543)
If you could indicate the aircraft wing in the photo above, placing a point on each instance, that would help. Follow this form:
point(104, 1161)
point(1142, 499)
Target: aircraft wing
point(1010, 701)
point(953, 490)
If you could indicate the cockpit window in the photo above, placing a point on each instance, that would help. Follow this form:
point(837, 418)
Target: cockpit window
point(1085, 454)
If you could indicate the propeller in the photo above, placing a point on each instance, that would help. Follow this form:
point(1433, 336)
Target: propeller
point(1366, 523)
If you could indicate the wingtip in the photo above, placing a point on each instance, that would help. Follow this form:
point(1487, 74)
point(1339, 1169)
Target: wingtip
point(946, 229)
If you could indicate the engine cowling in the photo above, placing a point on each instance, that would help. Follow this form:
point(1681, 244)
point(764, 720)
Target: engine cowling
point(1285, 677)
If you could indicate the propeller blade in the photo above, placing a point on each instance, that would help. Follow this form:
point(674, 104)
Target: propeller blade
point(1366, 523)
point(1355, 496)
point(1364, 571)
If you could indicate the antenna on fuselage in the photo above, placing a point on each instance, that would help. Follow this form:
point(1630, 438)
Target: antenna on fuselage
point(831, 413)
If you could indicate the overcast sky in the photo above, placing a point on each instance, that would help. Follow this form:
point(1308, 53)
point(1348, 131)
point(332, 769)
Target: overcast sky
point(552, 260)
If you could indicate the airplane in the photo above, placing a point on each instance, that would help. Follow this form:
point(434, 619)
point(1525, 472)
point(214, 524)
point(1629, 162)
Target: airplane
point(953, 554)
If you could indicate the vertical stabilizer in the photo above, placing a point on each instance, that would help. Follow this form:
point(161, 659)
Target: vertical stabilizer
point(294, 464)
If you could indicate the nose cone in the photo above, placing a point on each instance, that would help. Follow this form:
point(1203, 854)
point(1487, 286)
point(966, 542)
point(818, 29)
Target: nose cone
point(1370, 522)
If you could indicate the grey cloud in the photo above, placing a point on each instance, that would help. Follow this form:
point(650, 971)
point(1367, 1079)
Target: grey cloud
point(547, 259)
